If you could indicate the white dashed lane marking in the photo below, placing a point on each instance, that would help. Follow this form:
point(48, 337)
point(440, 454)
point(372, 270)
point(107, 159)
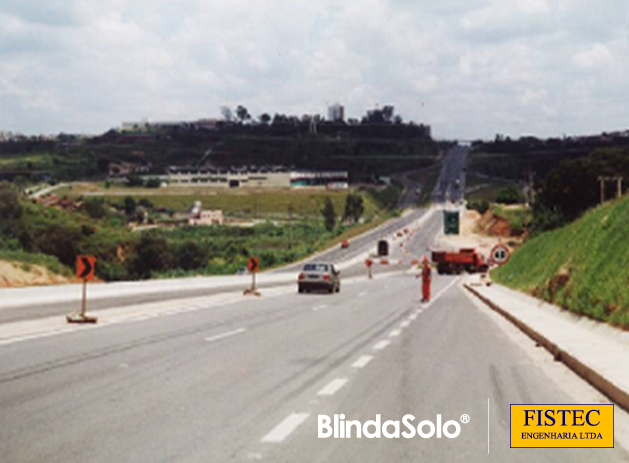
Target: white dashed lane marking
point(381, 345)
point(332, 387)
point(395, 333)
point(218, 337)
point(320, 307)
point(405, 324)
point(285, 428)
point(362, 361)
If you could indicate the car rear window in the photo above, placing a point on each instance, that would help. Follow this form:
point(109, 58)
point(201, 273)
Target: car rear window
point(315, 268)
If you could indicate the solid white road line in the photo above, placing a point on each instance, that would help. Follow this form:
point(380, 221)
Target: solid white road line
point(395, 333)
point(333, 386)
point(226, 335)
point(382, 344)
point(405, 324)
point(362, 361)
point(442, 292)
point(285, 428)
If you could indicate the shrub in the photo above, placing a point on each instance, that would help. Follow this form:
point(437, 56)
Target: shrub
point(510, 195)
point(95, 208)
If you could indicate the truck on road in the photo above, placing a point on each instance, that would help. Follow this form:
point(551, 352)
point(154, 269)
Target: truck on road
point(464, 260)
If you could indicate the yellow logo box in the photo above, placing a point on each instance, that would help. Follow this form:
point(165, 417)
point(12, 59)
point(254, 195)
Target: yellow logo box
point(535, 426)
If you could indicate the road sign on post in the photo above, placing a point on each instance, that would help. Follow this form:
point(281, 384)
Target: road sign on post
point(254, 266)
point(85, 267)
point(451, 222)
point(500, 254)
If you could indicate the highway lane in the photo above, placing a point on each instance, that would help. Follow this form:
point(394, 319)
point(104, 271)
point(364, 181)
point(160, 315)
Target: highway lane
point(451, 183)
point(245, 382)
point(365, 243)
point(121, 295)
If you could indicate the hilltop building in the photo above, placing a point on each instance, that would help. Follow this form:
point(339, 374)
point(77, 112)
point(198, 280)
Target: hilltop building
point(336, 113)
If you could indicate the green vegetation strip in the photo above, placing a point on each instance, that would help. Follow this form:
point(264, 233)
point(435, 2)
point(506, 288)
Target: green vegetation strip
point(583, 267)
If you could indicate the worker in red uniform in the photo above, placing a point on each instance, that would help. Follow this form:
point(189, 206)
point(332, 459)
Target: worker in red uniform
point(426, 280)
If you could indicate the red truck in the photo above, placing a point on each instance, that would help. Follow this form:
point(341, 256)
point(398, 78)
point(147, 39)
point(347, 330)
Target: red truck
point(467, 260)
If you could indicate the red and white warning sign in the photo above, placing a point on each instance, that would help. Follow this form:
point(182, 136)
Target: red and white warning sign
point(500, 254)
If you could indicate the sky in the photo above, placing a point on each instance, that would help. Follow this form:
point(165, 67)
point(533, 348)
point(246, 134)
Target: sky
point(469, 68)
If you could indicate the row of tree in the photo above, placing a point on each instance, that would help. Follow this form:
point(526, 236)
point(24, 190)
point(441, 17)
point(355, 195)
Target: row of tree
point(378, 116)
point(574, 187)
point(354, 209)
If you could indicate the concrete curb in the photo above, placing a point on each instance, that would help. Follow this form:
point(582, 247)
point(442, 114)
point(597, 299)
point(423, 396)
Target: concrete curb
point(619, 396)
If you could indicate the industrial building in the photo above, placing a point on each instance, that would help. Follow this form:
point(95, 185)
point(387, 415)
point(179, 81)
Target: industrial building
point(259, 178)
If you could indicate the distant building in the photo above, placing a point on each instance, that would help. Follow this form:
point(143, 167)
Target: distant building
point(256, 178)
point(207, 218)
point(318, 179)
point(141, 126)
point(228, 178)
point(336, 113)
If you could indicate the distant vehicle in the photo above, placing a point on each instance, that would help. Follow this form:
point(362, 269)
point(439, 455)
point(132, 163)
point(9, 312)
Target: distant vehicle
point(383, 248)
point(465, 260)
point(345, 244)
point(319, 276)
point(242, 271)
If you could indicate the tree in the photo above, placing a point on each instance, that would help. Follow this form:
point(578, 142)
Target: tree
point(129, 205)
point(191, 256)
point(227, 114)
point(153, 183)
point(135, 180)
point(10, 207)
point(265, 118)
point(387, 114)
point(102, 164)
point(354, 207)
point(242, 114)
point(329, 215)
point(59, 240)
point(95, 208)
point(151, 254)
point(510, 195)
point(20, 181)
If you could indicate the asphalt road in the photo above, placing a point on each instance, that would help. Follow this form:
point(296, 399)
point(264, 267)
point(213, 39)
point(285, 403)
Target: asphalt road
point(451, 183)
point(246, 381)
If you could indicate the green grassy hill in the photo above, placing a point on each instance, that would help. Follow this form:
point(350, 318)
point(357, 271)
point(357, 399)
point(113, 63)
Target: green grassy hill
point(583, 267)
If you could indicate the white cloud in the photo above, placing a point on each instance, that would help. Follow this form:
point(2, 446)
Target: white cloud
point(596, 56)
point(470, 67)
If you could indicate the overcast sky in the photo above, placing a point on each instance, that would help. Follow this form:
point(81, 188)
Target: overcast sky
point(470, 68)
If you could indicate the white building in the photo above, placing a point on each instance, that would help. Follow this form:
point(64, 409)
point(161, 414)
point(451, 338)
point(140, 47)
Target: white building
point(336, 113)
point(207, 218)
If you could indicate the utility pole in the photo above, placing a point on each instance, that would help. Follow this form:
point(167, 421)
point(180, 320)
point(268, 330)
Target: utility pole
point(618, 181)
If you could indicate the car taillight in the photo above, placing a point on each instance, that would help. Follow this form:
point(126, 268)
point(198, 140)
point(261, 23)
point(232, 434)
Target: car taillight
point(326, 277)
point(301, 276)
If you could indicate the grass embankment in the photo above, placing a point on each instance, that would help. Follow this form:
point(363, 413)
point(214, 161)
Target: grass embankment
point(583, 267)
point(238, 203)
point(427, 178)
point(484, 188)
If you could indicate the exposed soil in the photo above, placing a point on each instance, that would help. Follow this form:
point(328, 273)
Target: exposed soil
point(15, 274)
